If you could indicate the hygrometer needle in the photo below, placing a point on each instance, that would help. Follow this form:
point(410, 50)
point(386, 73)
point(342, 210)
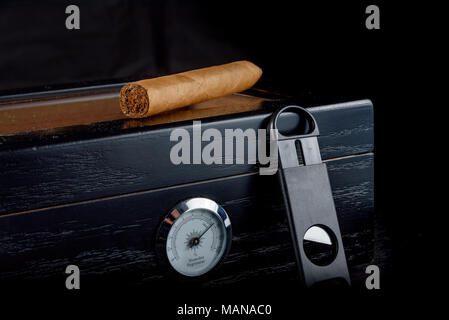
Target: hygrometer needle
point(205, 231)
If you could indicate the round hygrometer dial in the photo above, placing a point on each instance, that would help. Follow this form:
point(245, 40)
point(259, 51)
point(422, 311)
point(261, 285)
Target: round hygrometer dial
point(194, 238)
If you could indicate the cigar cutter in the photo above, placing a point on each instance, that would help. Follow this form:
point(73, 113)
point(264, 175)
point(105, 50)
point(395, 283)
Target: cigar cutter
point(309, 203)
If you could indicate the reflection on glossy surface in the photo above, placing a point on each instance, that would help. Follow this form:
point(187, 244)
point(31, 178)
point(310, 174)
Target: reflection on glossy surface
point(318, 234)
point(62, 113)
point(320, 245)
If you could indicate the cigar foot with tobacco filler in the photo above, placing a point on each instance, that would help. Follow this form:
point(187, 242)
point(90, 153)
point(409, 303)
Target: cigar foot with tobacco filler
point(144, 98)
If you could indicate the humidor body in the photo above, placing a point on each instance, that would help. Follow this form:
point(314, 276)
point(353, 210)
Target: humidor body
point(92, 192)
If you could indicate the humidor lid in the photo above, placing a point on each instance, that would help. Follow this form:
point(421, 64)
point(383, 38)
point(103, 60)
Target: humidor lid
point(45, 117)
point(70, 159)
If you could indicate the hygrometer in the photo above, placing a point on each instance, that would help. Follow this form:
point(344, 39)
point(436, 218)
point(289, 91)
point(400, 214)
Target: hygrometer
point(194, 238)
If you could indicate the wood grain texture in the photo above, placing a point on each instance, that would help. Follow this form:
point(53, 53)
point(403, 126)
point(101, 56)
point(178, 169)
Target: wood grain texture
point(114, 238)
point(94, 195)
point(58, 170)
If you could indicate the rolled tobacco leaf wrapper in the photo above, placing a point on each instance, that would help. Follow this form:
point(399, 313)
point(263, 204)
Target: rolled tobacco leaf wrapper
point(151, 96)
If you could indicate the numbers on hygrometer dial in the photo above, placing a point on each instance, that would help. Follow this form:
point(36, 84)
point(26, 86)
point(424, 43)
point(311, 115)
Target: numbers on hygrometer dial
point(198, 237)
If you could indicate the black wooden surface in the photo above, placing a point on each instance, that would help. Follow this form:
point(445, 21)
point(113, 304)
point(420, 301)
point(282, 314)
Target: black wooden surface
point(102, 199)
point(114, 238)
point(58, 169)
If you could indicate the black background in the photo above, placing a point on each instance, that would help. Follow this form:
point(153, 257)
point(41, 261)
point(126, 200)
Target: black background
point(314, 49)
point(318, 51)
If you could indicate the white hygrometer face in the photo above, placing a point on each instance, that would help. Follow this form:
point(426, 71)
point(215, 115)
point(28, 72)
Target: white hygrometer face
point(198, 237)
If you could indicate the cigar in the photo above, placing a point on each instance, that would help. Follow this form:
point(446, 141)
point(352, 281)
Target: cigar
point(147, 97)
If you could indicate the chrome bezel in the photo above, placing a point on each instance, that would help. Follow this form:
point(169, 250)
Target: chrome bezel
point(170, 219)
